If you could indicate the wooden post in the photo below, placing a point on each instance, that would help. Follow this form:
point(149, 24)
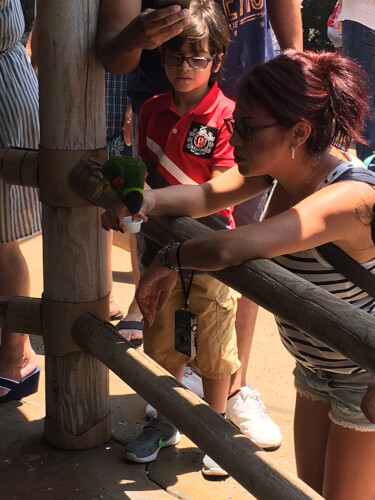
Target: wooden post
point(72, 127)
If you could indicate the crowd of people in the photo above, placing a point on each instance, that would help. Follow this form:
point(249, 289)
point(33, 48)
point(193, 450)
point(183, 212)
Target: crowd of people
point(257, 148)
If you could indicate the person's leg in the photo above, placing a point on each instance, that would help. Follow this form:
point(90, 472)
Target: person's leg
point(311, 428)
point(245, 324)
point(216, 392)
point(349, 464)
point(132, 321)
point(358, 43)
point(17, 357)
point(245, 407)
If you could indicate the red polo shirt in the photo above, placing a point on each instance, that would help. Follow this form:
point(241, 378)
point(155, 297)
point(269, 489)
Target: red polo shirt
point(186, 149)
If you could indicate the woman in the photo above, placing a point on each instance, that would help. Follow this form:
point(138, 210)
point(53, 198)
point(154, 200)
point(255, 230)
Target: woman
point(19, 206)
point(290, 112)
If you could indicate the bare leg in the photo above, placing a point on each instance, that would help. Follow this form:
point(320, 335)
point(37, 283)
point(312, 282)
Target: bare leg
point(177, 371)
point(216, 392)
point(17, 358)
point(114, 305)
point(350, 464)
point(134, 313)
point(245, 324)
point(311, 428)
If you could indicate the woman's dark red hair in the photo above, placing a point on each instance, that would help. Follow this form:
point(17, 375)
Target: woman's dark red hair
point(324, 89)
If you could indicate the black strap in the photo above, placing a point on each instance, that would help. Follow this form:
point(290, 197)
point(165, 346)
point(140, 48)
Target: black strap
point(340, 260)
point(348, 267)
point(186, 292)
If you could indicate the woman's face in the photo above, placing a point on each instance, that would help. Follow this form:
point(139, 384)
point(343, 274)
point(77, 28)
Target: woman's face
point(259, 142)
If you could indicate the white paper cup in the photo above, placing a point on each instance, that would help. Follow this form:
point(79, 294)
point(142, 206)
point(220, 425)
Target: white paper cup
point(132, 226)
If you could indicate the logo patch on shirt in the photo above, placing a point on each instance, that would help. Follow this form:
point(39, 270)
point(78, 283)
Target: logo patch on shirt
point(200, 140)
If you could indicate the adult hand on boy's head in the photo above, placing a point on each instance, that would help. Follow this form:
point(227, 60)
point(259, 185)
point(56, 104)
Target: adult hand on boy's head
point(152, 27)
point(154, 289)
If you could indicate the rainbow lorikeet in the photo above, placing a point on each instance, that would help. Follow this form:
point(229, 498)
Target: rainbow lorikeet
point(125, 174)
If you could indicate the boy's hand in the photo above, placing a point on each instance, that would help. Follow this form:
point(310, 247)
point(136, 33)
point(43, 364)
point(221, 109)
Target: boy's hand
point(154, 289)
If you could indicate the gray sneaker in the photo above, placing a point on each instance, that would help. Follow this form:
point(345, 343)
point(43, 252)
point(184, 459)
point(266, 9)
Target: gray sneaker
point(157, 434)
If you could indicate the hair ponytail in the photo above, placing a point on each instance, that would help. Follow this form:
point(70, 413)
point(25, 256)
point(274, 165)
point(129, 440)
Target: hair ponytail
point(324, 89)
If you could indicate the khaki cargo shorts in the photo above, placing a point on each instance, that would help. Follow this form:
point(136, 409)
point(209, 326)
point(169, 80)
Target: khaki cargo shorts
point(216, 306)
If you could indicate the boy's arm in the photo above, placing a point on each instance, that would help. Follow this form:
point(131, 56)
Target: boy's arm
point(286, 20)
point(124, 31)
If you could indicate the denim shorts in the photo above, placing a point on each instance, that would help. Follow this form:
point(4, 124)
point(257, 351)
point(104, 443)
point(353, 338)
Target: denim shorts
point(343, 392)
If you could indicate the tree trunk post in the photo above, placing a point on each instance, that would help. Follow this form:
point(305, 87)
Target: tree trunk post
point(72, 126)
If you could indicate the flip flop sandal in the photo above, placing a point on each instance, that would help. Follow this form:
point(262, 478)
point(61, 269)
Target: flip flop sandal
point(131, 325)
point(21, 389)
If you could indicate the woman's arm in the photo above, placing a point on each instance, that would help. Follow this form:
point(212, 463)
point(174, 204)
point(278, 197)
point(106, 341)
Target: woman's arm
point(229, 188)
point(124, 31)
point(331, 214)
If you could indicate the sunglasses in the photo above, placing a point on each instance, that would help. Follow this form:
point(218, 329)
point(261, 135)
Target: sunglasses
point(244, 131)
point(193, 61)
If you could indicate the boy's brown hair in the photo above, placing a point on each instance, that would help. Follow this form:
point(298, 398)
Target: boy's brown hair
point(208, 22)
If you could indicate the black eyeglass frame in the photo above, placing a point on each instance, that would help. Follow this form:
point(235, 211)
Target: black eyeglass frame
point(244, 131)
point(188, 59)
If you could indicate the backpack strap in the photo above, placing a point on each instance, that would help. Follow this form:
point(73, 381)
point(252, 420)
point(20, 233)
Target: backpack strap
point(348, 267)
point(339, 259)
point(356, 174)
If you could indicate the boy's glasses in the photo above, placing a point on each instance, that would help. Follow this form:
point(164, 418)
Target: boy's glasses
point(244, 131)
point(193, 61)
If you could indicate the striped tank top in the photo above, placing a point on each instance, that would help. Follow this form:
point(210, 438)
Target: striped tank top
point(311, 266)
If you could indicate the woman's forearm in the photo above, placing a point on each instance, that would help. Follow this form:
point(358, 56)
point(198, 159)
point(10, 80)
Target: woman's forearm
point(196, 201)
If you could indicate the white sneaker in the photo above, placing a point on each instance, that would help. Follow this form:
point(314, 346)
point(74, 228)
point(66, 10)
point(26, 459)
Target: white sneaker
point(247, 411)
point(191, 381)
point(151, 411)
point(211, 468)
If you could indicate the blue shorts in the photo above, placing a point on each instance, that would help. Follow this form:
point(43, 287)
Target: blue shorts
point(343, 392)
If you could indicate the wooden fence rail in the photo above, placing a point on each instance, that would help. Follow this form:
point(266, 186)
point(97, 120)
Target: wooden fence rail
point(249, 465)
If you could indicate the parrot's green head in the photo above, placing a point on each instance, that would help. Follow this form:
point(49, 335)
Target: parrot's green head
point(126, 174)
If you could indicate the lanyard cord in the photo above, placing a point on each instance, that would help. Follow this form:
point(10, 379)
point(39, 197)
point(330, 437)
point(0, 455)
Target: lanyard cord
point(186, 292)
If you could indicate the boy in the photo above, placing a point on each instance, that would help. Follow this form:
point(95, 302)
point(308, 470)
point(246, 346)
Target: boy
point(183, 140)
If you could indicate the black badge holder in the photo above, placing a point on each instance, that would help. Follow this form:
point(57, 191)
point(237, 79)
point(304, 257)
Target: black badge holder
point(186, 322)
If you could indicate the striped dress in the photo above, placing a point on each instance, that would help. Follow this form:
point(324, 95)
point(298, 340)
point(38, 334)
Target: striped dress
point(311, 266)
point(19, 122)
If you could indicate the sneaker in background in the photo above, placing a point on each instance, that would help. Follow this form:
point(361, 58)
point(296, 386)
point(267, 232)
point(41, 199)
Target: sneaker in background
point(191, 380)
point(212, 468)
point(151, 411)
point(157, 434)
point(247, 411)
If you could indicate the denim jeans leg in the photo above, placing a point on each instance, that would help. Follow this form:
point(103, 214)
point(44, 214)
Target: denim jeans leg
point(358, 43)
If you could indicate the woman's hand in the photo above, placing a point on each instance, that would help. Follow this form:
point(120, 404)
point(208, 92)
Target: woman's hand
point(154, 289)
point(368, 402)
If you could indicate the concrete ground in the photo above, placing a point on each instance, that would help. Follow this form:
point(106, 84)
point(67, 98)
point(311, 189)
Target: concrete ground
point(30, 469)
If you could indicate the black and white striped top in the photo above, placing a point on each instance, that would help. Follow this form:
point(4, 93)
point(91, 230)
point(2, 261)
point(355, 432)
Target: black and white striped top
point(19, 122)
point(311, 266)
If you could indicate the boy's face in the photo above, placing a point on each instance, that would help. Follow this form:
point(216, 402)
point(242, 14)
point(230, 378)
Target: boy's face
point(185, 78)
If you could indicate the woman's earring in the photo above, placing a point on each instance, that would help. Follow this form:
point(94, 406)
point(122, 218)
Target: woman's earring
point(293, 152)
